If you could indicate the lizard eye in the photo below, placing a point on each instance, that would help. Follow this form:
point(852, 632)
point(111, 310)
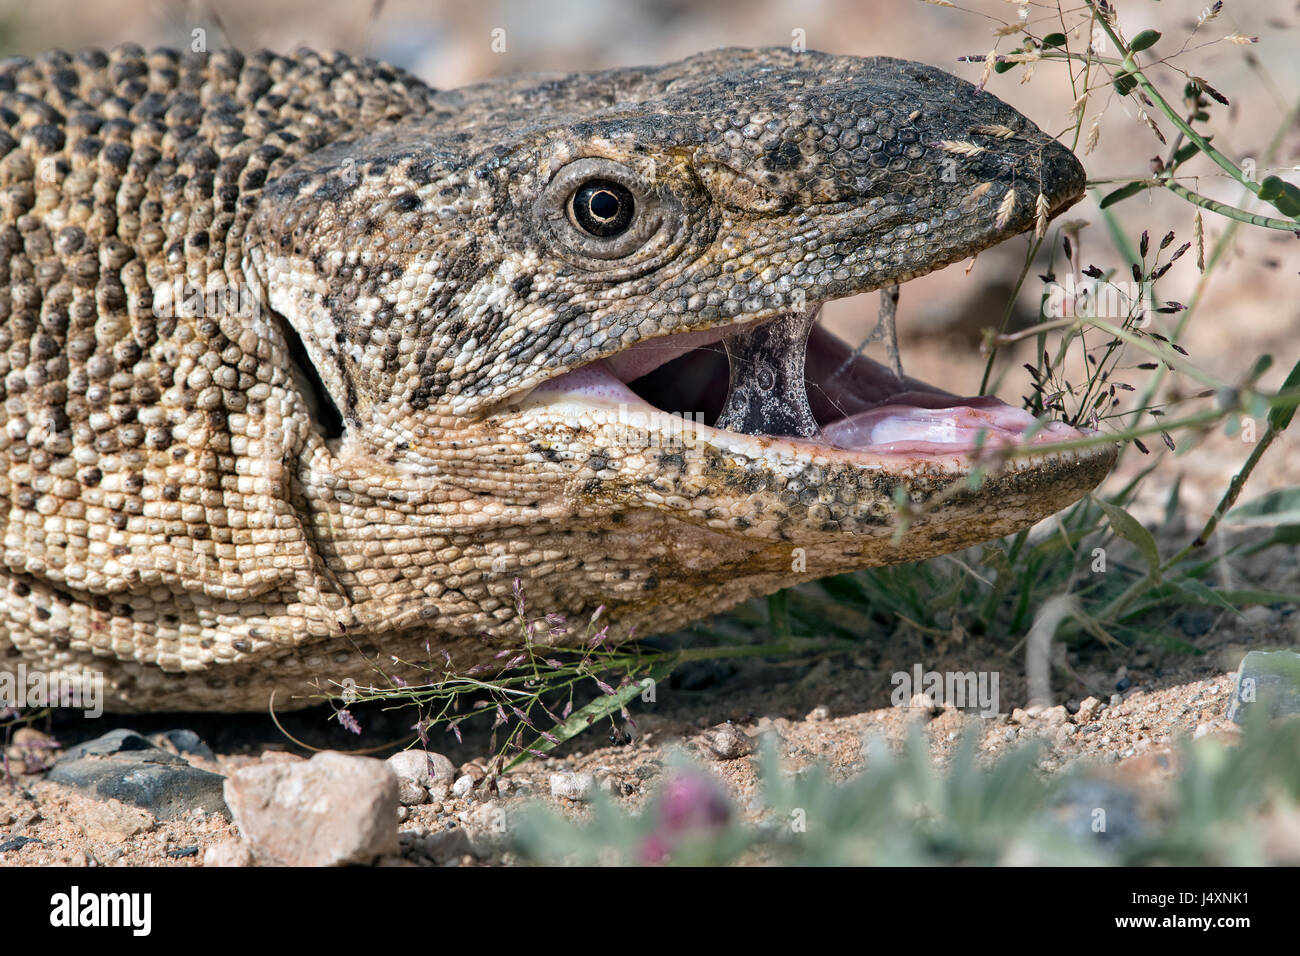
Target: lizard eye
point(603, 215)
point(602, 208)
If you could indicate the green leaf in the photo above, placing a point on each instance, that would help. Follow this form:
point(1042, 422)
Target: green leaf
point(1282, 194)
point(1129, 528)
point(1187, 151)
point(1125, 83)
point(602, 706)
point(1144, 40)
point(1003, 66)
point(1132, 189)
point(1278, 507)
point(1201, 593)
point(1172, 504)
point(1279, 418)
point(1054, 39)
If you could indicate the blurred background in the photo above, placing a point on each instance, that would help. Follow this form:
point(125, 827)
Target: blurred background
point(1250, 307)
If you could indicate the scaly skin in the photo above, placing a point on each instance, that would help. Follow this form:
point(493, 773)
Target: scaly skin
point(177, 513)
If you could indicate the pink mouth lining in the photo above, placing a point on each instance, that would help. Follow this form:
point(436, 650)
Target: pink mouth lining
point(863, 409)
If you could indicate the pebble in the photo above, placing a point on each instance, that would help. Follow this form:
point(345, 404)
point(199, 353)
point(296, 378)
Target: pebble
point(122, 765)
point(1055, 716)
point(820, 712)
point(1257, 616)
point(726, 742)
point(331, 810)
point(411, 768)
point(1089, 708)
point(444, 846)
point(112, 821)
point(462, 786)
point(228, 853)
point(568, 785)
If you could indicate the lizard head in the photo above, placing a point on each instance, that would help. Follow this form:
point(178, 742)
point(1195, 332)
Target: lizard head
point(505, 298)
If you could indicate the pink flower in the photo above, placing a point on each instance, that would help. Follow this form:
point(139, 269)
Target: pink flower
point(691, 801)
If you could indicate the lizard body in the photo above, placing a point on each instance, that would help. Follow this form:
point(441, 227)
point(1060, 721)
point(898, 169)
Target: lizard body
point(304, 363)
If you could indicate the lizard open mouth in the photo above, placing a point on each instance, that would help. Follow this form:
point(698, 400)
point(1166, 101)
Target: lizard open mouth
point(789, 378)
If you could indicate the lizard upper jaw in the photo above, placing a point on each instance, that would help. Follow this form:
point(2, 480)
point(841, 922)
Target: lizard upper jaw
point(816, 394)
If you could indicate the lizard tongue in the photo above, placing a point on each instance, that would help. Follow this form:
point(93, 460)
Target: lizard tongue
point(766, 393)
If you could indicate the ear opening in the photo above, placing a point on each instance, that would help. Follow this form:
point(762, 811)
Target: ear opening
point(325, 414)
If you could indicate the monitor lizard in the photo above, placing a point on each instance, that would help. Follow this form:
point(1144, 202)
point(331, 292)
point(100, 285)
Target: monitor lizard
point(309, 369)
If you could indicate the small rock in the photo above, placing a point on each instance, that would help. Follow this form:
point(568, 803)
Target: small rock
point(1196, 623)
point(17, 843)
point(123, 765)
point(578, 787)
point(228, 853)
point(726, 742)
point(1055, 716)
point(184, 742)
point(30, 752)
point(112, 821)
point(443, 846)
point(488, 816)
point(411, 768)
point(1089, 707)
point(463, 785)
point(411, 794)
point(441, 770)
point(183, 852)
point(1258, 616)
point(1020, 717)
point(331, 810)
point(923, 705)
point(474, 770)
point(820, 712)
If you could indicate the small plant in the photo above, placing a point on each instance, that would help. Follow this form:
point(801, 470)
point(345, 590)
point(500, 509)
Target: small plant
point(902, 809)
point(534, 690)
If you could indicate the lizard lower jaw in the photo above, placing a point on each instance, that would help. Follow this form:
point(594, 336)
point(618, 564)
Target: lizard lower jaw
point(857, 410)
